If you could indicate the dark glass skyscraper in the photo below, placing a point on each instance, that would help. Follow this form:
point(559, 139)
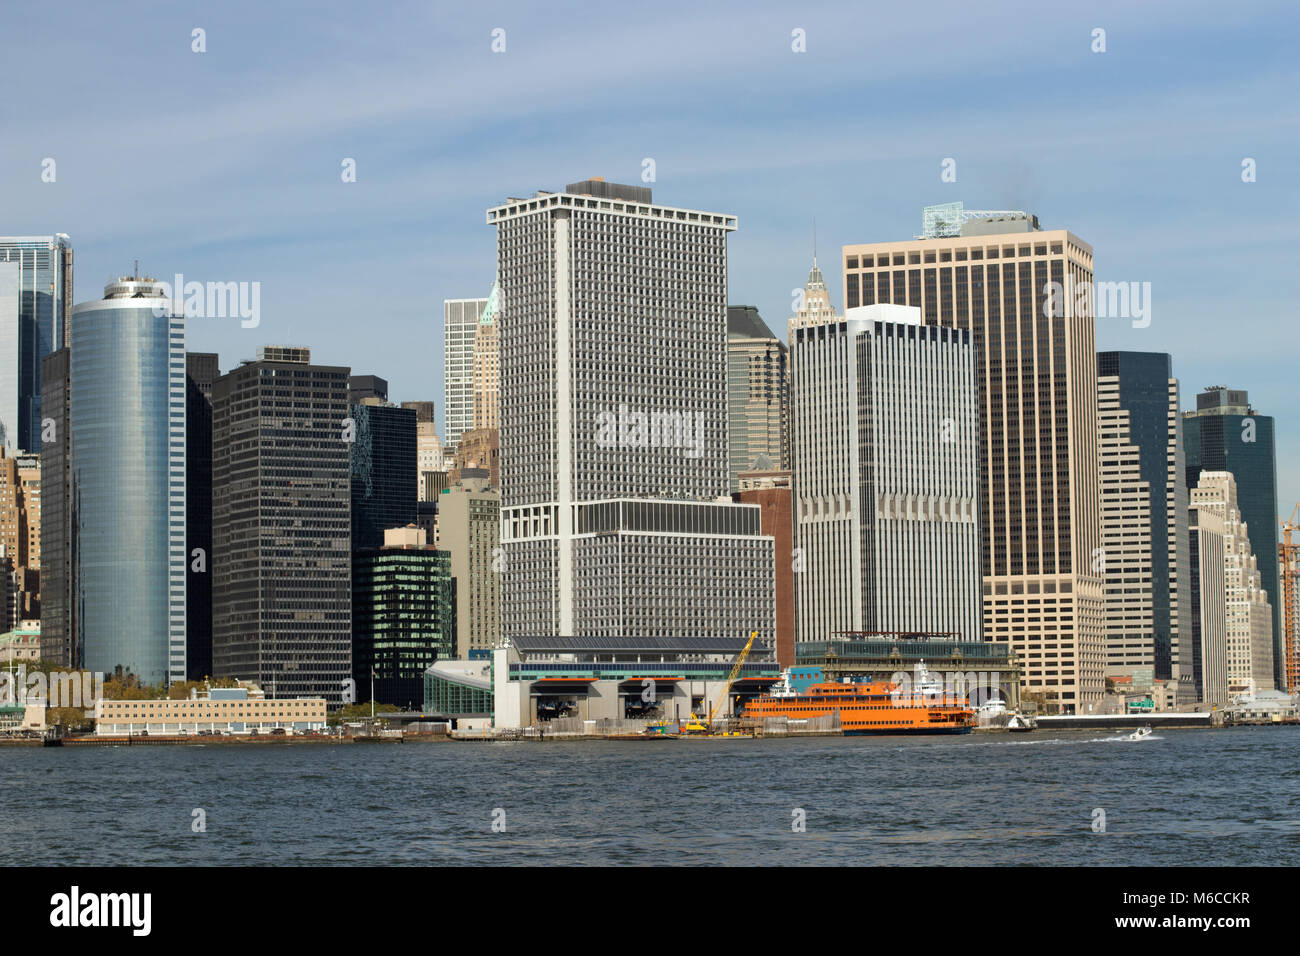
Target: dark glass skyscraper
point(281, 531)
point(1226, 434)
point(58, 628)
point(382, 464)
point(35, 301)
point(201, 370)
point(403, 616)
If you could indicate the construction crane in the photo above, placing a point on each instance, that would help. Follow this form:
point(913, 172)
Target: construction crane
point(731, 679)
point(1289, 558)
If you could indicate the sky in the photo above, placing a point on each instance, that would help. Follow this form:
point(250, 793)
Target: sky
point(226, 164)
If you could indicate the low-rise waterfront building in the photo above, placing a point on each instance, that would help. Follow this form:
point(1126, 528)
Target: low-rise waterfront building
point(461, 690)
point(225, 710)
point(594, 678)
point(983, 666)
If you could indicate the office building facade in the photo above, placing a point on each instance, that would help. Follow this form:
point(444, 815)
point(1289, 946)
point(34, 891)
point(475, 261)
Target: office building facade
point(758, 395)
point(403, 617)
point(1225, 433)
point(469, 529)
point(201, 370)
point(1040, 493)
point(886, 476)
point(58, 540)
point(382, 462)
point(487, 366)
point(460, 321)
point(613, 367)
point(1144, 518)
point(281, 526)
point(127, 423)
point(35, 307)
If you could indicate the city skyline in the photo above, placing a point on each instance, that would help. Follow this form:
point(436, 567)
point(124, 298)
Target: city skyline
point(1159, 199)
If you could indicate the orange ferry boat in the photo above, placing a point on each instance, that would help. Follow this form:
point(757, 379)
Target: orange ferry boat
point(875, 707)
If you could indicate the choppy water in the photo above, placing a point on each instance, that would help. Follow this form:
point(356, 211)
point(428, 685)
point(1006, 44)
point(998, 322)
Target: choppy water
point(1180, 797)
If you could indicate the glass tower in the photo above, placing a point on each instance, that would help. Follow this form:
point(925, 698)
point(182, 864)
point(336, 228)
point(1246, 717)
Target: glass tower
point(35, 296)
point(127, 421)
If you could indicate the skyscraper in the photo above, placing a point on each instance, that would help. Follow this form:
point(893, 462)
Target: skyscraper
point(815, 307)
point(614, 423)
point(1040, 515)
point(1226, 434)
point(469, 528)
point(487, 364)
point(758, 394)
point(460, 320)
point(428, 446)
point(1144, 517)
point(201, 370)
point(886, 476)
point(281, 526)
point(382, 459)
point(1207, 517)
point(1248, 618)
point(58, 540)
point(35, 301)
point(403, 616)
point(127, 422)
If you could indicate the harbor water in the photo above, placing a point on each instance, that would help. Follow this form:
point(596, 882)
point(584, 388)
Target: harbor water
point(1221, 797)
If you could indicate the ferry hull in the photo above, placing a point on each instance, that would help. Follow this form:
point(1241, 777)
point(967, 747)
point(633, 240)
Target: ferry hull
point(908, 731)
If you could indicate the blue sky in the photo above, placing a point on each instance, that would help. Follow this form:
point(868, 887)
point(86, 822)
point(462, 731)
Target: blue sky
point(225, 165)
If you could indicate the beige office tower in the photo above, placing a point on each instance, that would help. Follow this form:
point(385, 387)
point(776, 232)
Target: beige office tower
point(429, 454)
point(814, 306)
point(469, 527)
point(758, 395)
point(1040, 492)
point(487, 363)
point(1247, 624)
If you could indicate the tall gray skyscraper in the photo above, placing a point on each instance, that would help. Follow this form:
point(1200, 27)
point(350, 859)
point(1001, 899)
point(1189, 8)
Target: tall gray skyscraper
point(613, 364)
point(886, 476)
point(1144, 518)
point(127, 423)
point(35, 303)
point(281, 528)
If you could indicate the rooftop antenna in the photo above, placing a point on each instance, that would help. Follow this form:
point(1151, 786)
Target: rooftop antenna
point(137, 268)
point(814, 240)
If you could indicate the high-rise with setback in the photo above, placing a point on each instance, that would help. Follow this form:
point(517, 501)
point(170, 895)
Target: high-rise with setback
point(1040, 521)
point(613, 364)
point(1226, 433)
point(1144, 518)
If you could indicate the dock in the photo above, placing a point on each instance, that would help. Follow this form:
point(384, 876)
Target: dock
point(1126, 721)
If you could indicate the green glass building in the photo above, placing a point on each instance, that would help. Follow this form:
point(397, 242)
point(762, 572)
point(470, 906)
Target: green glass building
point(403, 617)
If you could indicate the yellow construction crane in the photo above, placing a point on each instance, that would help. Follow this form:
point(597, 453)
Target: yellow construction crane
point(731, 679)
point(1289, 558)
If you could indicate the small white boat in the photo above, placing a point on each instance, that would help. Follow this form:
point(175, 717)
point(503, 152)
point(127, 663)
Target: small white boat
point(1018, 725)
point(1140, 734)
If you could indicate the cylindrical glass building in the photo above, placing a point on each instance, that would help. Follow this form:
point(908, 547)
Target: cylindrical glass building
point(127, 420)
